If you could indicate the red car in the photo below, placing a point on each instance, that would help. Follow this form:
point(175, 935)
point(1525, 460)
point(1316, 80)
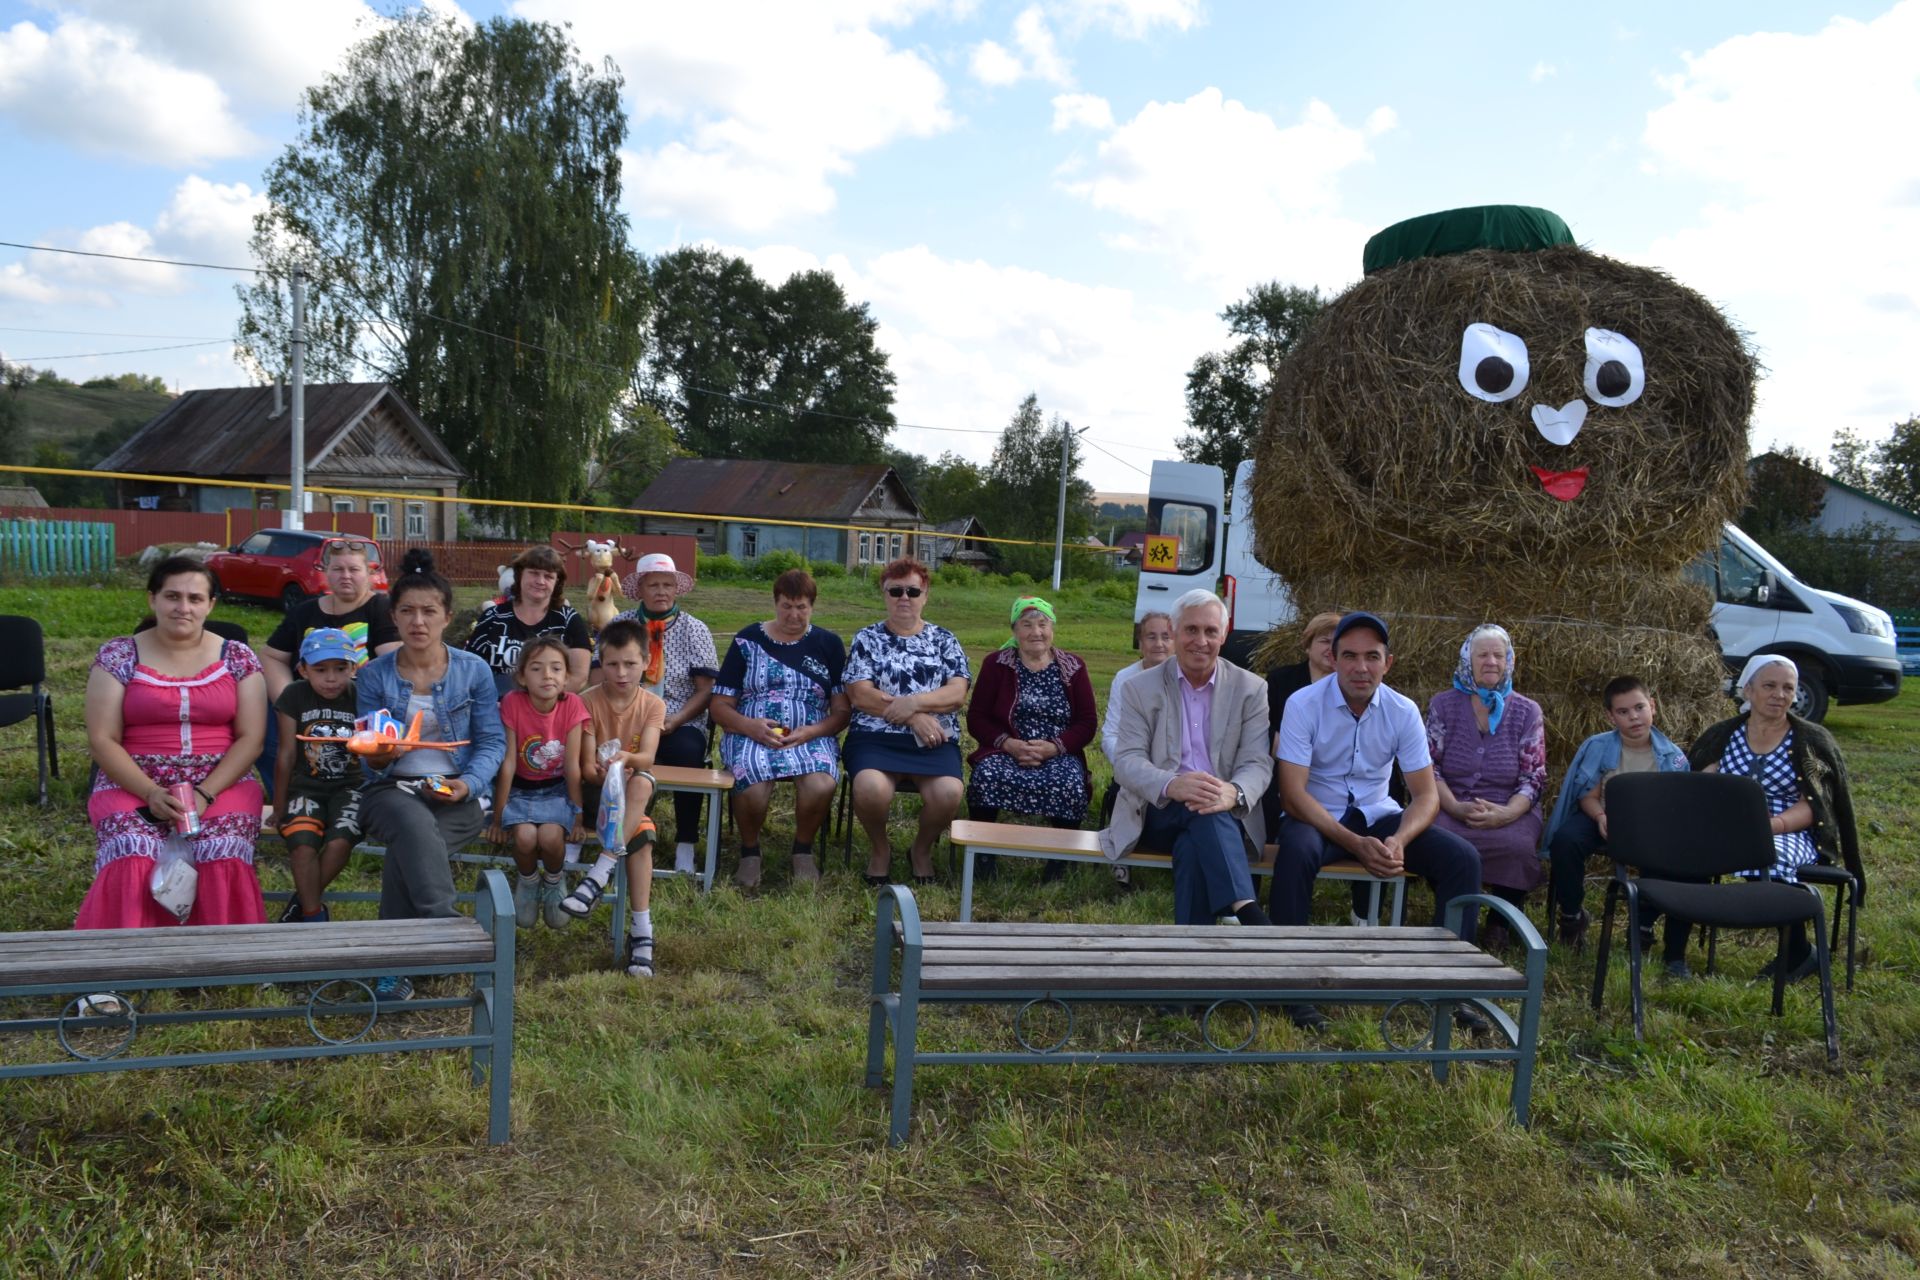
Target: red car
point(283, 566)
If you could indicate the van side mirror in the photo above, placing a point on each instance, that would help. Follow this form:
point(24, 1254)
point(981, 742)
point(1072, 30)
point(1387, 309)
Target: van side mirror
point(1763, 589)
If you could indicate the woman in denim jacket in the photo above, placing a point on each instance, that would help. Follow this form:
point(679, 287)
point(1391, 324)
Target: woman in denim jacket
point(425, 803)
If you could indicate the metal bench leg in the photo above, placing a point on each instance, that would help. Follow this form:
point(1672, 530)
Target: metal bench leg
point(905, 1031)
point(966, 882)
point(619, 923)
point(1824, 951)
point(1399, 902)
point(493, 1004)
point(1442, 1036)
point(1529, 1036)
point(1373, 902)
point(713, 840)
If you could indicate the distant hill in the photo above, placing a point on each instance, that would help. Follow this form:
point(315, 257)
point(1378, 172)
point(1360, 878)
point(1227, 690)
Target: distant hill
point(62, 424)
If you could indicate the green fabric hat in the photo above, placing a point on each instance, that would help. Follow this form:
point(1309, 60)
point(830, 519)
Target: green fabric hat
point(1515, 228)
point(1020, 606)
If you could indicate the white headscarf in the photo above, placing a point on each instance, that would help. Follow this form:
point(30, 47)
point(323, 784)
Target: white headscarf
point(1755, 665)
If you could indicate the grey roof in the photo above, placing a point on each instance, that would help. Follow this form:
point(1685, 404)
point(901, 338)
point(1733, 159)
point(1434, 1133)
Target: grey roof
point(234, 432)
point(735, 487)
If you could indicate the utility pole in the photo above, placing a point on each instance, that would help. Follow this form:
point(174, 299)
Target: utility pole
point(1060, 521)
point(297, 517)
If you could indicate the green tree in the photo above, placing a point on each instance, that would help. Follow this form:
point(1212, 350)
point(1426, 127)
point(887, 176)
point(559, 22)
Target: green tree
point(951, 487)
point(1785, 494)
point(453, 194)
point(1022, 488)
point(630, 458)
point(744, 370)
point(1896, 465)
point(1226, 390)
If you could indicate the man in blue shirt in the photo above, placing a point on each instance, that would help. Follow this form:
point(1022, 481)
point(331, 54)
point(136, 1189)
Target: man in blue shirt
point(1339, 740)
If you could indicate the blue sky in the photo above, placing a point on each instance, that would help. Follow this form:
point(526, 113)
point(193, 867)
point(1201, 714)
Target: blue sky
point(1057, 196)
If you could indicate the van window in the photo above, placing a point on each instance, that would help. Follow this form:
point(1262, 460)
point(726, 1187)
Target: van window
point(1740, 574)
point(1193, 525)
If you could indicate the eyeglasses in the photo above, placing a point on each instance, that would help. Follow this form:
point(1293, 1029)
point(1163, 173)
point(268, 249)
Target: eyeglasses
point(911, 593)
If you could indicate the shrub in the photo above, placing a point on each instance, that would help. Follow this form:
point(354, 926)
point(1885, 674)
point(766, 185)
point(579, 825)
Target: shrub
point(1114, 589)
point(955, 575)
point(722, 567)
point(826, 569)
point(1019, 579)
point(776, 562)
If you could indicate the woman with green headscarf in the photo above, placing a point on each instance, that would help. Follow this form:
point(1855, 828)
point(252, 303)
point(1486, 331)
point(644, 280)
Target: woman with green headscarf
point(1033, 715)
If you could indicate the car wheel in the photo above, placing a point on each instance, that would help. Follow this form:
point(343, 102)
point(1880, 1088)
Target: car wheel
point(291, 595)
point(1810, 701)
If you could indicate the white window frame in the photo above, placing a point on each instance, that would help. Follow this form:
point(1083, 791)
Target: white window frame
point(899, 545)
point(416, 520)
point(866, 548)
point(382, 512)
point(749, 542)
point(343, 506)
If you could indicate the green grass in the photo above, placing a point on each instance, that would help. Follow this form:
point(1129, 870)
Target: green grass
point(713, 1122)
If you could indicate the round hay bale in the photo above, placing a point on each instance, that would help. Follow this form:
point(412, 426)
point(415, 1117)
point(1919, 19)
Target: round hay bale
point(1604, 624)
point(1373, 454)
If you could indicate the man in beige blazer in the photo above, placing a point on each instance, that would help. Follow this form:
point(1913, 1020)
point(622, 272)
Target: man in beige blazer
point(1192, 762)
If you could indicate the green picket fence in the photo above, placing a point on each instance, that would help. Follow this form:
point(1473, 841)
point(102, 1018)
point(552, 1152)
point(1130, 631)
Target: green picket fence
point(55, 547)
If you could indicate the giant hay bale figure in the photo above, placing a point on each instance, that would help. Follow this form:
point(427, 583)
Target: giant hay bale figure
point(1497, 425)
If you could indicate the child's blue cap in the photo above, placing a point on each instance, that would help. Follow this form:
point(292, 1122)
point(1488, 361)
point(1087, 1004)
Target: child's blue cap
point(327, 644)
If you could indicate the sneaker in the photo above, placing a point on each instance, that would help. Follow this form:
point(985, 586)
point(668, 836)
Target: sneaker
point(683, 859)
point(1573, 928)
point(1679, 970)
point(747, 874)
point(1471, 1020)
point(639, 956)
point(395, 988)
point(552, 893)
point(806, 869)
point(1307, 1018)
point(292, 914)
point(526, 902)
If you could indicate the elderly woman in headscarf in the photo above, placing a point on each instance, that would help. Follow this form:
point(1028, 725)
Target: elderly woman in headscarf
point(1799, 766)
point(1033, 715)
point(1489, 748)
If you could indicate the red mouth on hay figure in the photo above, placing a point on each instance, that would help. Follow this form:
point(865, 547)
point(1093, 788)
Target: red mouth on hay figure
point(1563, 485)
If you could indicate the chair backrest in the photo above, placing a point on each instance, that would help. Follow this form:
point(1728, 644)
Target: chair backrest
point(23, 652)
point(1688, 825)
point(225, 630)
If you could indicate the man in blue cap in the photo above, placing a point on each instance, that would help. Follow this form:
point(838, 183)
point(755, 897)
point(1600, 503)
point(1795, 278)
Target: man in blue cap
point(1339, 741)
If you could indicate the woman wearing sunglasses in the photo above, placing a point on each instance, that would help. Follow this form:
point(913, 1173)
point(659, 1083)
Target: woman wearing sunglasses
point(907, 680)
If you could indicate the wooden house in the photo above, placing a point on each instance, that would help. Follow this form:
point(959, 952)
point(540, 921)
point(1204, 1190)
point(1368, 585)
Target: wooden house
point(734, 506)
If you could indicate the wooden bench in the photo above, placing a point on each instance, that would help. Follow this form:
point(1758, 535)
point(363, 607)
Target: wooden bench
point(1007, 839)
point(341, 959)
point(1061, 965)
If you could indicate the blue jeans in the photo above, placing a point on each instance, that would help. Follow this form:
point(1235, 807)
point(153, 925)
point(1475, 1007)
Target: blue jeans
point(1209, 860)
point(1442, 859)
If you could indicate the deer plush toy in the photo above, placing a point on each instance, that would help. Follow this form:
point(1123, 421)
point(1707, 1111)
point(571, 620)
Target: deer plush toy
point(603, 588)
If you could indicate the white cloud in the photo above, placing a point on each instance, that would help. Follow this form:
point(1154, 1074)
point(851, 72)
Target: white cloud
point(1813, 215)
point(1231, 194)
point(968, 339)
point(262, 54)
point(17, 284)
point(1086, 109)
point(1542, 71)
point(766, 107)
point(1130, 18)
point(91, 86)
point(992, 65)
point(1035, 40)
point(209, 221)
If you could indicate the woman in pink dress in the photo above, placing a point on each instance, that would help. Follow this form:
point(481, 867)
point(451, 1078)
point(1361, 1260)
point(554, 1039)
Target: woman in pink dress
point(174, 704)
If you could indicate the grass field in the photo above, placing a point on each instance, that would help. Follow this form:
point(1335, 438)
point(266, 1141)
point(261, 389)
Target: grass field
point(712, 1122)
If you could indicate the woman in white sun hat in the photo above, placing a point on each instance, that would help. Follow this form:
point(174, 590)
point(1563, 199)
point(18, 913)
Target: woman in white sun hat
point(681, 667)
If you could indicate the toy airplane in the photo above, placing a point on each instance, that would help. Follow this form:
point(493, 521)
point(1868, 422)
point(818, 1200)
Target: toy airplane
point(380, 732)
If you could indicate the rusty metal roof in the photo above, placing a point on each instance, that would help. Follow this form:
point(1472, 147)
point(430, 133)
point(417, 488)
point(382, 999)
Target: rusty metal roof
point(233, 432)
point(769, 490)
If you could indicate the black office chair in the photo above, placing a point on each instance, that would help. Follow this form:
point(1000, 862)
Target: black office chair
point(23, 665)
point(1682, 831)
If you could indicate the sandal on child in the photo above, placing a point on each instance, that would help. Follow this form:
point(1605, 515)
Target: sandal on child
point(875, 882)
point(639, 956)
point(579, 903)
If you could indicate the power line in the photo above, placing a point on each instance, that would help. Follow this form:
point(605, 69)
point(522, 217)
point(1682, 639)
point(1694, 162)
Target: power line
point(501, 337)
point(128, 257)
point(99, 333)
point(130, 351)
point(1117, 458)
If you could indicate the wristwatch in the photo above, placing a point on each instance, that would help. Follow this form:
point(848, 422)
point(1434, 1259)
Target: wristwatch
point(1240, 792)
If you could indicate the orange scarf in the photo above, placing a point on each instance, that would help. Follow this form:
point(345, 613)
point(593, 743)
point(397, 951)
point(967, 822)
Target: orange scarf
point(656, 649)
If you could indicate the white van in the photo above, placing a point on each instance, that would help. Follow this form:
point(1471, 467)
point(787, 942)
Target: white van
point(1214, 550)
point(1843, 647)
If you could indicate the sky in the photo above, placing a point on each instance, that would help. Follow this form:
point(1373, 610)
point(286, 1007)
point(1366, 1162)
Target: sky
point(1054, 197)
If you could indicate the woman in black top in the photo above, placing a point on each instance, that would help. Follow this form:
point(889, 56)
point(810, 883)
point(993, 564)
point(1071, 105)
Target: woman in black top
point(535, 606)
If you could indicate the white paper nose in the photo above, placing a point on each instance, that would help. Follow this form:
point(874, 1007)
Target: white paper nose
point(1560, 425)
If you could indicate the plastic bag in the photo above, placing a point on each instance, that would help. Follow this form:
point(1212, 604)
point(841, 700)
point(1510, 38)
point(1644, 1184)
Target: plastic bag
point(175, 880)
point(612, 818)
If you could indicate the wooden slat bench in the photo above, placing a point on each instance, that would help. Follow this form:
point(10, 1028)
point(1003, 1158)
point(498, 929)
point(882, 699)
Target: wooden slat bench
point(341, 959)
point(1066, 964)
point(1008, 839)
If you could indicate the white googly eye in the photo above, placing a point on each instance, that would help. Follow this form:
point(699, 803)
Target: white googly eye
point(1493, 363)
point(1615, 373)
